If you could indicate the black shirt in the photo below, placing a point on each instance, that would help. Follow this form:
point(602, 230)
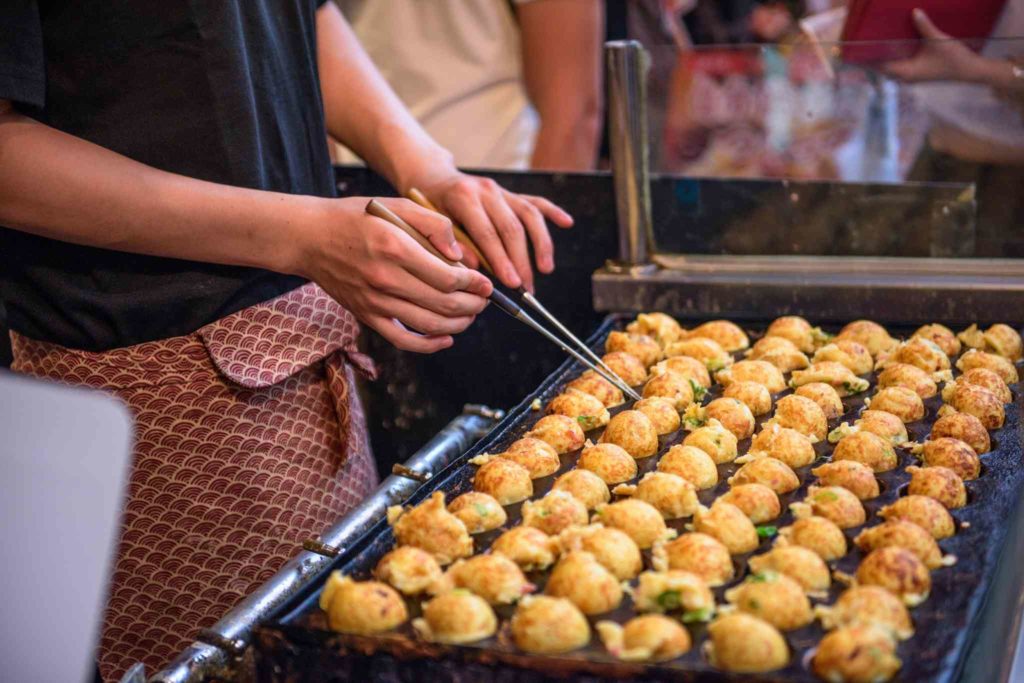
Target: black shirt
point(223, 90)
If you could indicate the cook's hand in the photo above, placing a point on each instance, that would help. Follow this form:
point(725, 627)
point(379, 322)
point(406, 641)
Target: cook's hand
point(390, 282)
point(941, 57)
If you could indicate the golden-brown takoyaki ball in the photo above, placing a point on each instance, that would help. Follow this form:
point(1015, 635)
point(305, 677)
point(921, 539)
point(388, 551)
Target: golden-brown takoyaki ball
point(408, 569)
point(715, 440)
point(780, 352)
point(898, 571)
point(670, 494)
point(431, 527)
point(650, 638)
point(900, 533)
point(801, 414)
point(972, 337)
point(507, 481)
point(634, 432)
point(580, 578)
point(773, 473)
point(983, 377)
point(561, 432)
point(585, 486)
point(940, 483)
point(953, 453)
point(745, 644)
point(976, 401)
point(628, 367)
point(922, 353)
point(942, 336)
point(546, 625)
point(868, 449)
point(361, 607)
point(758, 502)
point(728, 335)
point(798, 563)
point(884, 424)
point(661, 327)
point(733, 414)
point(674, 590)
point(774, 597)
point(856, 654)
point(817, 534)
point(456, 618)
point(699, 554)
point(1005, 341)
point(727, 523)
point(613, 548)
point(795, 330)
point(868, 605)
point(901, 402)
point(870, 335)
point(645, 348)
point(909, 377)
point(688, 367)
point(538, 457)
point(588, 411)
point(755, 396)
point(671, 385)
point(661, 412)
point(479, 511)
point(759, 371)
point(493, 577)
point(556, 511)
point(597, 386)
point(785, 444)
point(927, 513)
point(834, 503)
point(855, 477)
point(991, 361)
point(836, 375)
point(965, 427)
point(853, 355)
point(527, 546)
point(608, 461)
point(690, 463)
point(707, 351)
point(640, 520)
point(825, 396)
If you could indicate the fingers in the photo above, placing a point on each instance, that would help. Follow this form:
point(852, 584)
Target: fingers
point(512, 234)
point(537, 229)
point(432, 225)
point(926, 28)
point(402, 284)
point(416, 317)
point(403, 339)
point(551, 211)
point(469, 211)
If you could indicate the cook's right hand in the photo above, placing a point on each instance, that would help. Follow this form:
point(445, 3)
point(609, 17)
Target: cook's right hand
point(389, 282)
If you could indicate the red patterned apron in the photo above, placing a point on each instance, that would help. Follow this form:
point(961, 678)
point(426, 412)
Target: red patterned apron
point(250, 438)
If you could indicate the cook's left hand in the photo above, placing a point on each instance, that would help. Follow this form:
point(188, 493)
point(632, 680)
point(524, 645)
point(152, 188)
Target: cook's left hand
point(940, 58)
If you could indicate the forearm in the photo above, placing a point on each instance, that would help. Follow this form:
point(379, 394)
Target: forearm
point(567, 141)
point(997, 73)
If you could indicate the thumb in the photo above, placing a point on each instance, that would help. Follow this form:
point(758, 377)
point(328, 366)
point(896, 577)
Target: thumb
point(926, 28)
point(432, 225)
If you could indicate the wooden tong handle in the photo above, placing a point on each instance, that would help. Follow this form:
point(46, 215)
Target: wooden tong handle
point(460, 235)
point(376, 208)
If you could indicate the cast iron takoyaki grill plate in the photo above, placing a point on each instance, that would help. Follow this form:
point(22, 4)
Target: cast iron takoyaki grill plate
point(298, 646)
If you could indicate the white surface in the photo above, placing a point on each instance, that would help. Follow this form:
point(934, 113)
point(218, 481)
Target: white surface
point(64, 456)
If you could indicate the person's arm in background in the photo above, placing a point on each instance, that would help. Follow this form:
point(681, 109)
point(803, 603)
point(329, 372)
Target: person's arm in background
point(561, 52)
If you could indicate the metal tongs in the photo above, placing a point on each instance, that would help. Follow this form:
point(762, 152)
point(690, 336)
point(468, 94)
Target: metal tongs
point(583, 354)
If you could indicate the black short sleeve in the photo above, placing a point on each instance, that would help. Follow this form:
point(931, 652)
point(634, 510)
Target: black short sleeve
point(22, 66)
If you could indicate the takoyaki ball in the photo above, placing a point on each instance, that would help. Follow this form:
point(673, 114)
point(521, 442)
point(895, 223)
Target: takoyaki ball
point(597, 386)
point(834, 503)
point(991, 361)
point(661, 412)
point(900, 401)
point(588, 411)
point(755, 396)
point(690, 463)
point(942, 336)
point(759, 371)
point(493, 577)
point(817, 534)
point(774, 597)
point(965, 427)
point(431, 527)
point(798, 563)
point(987, 379)
point(507, 481)
point(456, 618)
point(856, 654)
point(773, 473)
point(745, 644)
point(940, 483)
point(585, 486)
point(801, 414)
point(728, 335)
point(696, 553)
point(976, 401)
point(884, 424)
point(733, 414)
point(640, 520)
point(538, 457)
point(707, 351)
point(868, 449)
point(899, 533)
point(613, 548)
point(634, 432)
point(561, 432)
point(853, 355)
point(870, 335)
point(922, 353)
point(480, 512)
point(898, 571)
point(644, 348)
point(647, 638)
point(927, 513)
point(758, 502)
point(555, 512)
point(608, 461)
point(868, 605)
point(527, 546)
point(908, 377)
point(361, 607)
point(954, 454)
point(670, 494)
point(408, 569)
point(628, 367)
point(825, 396)
point(672, 386)
point(674, 590)
point(795, 330)
point(546, 625)
point(584, 581)
point(855, 477)
point(836, 375)
point(785, 444)
point(780, 352)
point(730, 525)
point(661, 327)
point(715, 440)
point(688, 367)
point(1005, 341)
